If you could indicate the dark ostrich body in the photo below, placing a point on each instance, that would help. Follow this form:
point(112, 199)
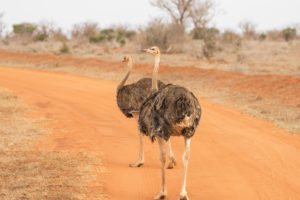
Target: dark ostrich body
point(130, 97)
point(172, 110)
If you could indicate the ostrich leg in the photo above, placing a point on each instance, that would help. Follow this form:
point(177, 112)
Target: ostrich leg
point(185, 158)
point(172, 161)
point(163, 192)
point(140, 162)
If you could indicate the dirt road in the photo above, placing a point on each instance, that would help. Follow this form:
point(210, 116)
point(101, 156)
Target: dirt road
point(233, 155)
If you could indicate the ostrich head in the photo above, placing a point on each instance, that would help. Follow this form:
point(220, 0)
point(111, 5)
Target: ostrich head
point(153, 50)
point(127, 59)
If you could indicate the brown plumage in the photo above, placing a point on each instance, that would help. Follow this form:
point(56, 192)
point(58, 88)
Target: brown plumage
point(130, 98)
point(170, 111)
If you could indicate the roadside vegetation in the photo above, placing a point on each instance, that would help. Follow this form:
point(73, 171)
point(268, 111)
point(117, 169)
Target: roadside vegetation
point(38, 174)
point(188, 29)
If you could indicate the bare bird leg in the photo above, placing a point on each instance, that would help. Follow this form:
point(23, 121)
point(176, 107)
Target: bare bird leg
point(172, 161)
point(141, 154)
point(185, 158)
point(163, 192)
point(140, 162)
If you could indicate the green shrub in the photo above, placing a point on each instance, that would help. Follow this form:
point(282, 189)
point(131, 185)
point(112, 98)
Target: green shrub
point(121, 38)
point(289, 34)
point(24, 28)
point(130, 34)
point(119, 35)
point(262, 37)
point(64, 48)
point(41, 37)
point(98, 38)
point(108, 31)
point(110, 37)
point(122, 41)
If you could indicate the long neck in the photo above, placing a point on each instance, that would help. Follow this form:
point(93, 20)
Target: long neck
point(123, 81)
point(155, 73)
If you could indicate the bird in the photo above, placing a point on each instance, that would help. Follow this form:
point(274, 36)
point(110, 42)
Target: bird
point(129, 99)
point(170, 111)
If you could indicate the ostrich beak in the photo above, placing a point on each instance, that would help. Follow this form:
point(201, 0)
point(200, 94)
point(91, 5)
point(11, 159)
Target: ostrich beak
point(147, 50)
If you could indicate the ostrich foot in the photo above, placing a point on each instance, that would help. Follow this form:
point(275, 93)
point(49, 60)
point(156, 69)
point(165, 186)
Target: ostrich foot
point(172, 163)
point(183, 196)
point(138, 164)
point(161, 195)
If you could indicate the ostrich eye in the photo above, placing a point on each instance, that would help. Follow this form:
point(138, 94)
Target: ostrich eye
point(153, 49)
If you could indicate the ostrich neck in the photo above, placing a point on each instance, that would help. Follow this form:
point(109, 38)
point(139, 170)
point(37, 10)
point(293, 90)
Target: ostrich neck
point(123, 81)
point(155, 73)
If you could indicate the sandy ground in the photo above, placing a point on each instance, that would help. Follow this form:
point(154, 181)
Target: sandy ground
point(233, 155)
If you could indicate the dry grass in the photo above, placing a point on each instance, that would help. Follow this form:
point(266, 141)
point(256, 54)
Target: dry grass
point(252, 57)
point(263, 57)
point(37, 174)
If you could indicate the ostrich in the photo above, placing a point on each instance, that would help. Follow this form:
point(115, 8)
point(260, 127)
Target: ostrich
point(171, 111)
point(129, 99)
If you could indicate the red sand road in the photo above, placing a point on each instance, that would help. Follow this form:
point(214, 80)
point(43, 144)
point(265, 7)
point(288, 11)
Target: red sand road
point(233, 155)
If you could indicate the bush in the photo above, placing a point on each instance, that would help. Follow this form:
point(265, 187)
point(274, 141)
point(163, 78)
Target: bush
point(289, 34)
point(119, 35)
point(262, 37)
point(209, 37)
point(41, 37)
point(230, 37)
point(98, 38)
point(199, 33)
point(108, 33)
point(274, 35)
point(58, 35)
point(122, 34)
point(24, 28)
point(122, 41)
point(120, 38)
point(64, 48)
point(130, 34)
point(84, 30)
point(209, 47)
point(169, 37)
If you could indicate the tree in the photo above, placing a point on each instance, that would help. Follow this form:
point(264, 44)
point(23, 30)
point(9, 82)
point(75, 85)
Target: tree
point(24, 29)
point(84, 30)
point(201, 13)
point(248, 29)
point(45, 30)
point(177, 9)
